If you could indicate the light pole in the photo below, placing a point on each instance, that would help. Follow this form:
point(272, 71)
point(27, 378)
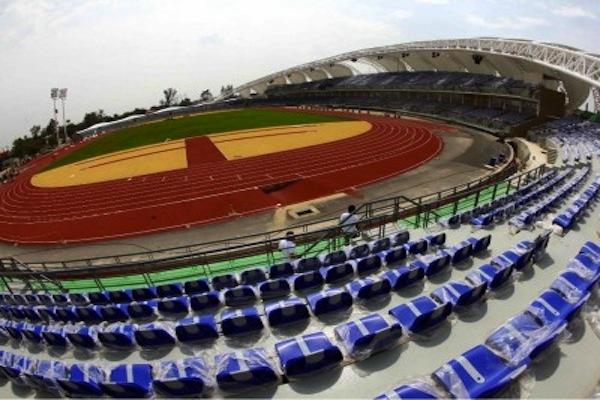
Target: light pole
point(54, 96)
point(62, 94)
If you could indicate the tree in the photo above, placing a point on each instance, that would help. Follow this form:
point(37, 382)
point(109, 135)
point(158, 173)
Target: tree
point(170, 97)
point(185, 102)
point(206, 96)
point(35, 130)
point(227, 89)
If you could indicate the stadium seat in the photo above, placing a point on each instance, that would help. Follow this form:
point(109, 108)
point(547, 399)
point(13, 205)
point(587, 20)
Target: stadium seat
point(11, 366)
point(308, 264)
point(368, 265)
point(66, 314)
point(283, 270)
point(88, 314)
point(368, 335)
point(117, 336)
point(142, 310)
point(380, 245)
point(585, 265)
point(188, 377)
point(432, 264)
point(494, 276)
point(369, 288)
point(481, 244)
point(239, 296)
point(421, 313)
point(459, 252)
point(114, 313)
point(44, 374)
point(253, 276)
point(337, 273)
point(436, 240)
point(307, 281)
point(98, 298)
point(205, 301)
point(274, 288)
point(196, 287)
point(195, 329)
point(144, 294)
point(33, 333)
point(551, 307)
point(335, 257)
point(478, 373)
point(286, 312)
point(78, 299)
point(459, 293)
point(359, 251)
point(399, 238)
point(410, 390)
point(55, 336)
point(129, 381)
point(84, 337)
point(518, 261)
point(238, 322)
point(307, 354)
point(402, 277)
point(244, 370)
point(571, 286)
point(394, 256)
point(224, 281)
point(120, 296)
point(155, 334)
point(416, 247)
point(329, 300)
point(169, 290)
point(82, 380)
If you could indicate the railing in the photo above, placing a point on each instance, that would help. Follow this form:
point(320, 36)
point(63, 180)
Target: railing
point(208, 258)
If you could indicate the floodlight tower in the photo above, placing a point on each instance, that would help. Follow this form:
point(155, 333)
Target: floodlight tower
point(62, 94)
point(54, 96)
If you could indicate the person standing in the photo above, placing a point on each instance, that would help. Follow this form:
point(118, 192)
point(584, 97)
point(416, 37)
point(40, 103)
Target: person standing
point(348, 224)
point(287, 247)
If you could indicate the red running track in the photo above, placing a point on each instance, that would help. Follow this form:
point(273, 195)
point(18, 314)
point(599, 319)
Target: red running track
point(210, 191)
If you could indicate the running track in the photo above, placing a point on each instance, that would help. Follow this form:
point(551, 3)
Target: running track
point(210, 192)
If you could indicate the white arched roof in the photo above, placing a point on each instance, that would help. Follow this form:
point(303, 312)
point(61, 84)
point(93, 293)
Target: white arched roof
point(517, 58)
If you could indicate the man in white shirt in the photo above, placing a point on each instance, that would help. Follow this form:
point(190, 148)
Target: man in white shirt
point(348, 221)
point(287, 246)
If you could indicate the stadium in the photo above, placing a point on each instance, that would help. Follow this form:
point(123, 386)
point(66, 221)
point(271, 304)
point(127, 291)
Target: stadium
point(417, 220)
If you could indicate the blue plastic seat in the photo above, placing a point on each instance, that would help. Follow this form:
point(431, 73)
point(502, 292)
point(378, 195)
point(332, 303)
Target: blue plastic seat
point(244, 370)
point(480, 244)
point(439, 239)
point(118, 336)
point(83, 380)
point(308, 264)
point(421, 313)
point(513, 258)
point(571, 286)
point(196, 329)
point(335, 257)
point(224, 281)
point(307, 280)
point(368, 265)
point(359, 251)
point(410, 390)
point(144, 294)
point(55, 336)
point(494, 276)
point(15, 330)
point(368, 335)
point(196, 287)
point(432, 264)
point(114, 313)
point(205, 301)
point(586, 266)
point(477, 373)
point(399, 238)
point(89, 314)
point(238, 322)
point(189, 377)
point(60, 298)
point(459, 293)
point(142, 310)
point(48, 313)
point(415, 247)
point(43, 377)
point(99, 298)
point(129, 381)
point(156, 334)
point(174, 305)
point(460, 252)
point(394, 256)
point(66, 314)
point(84, 337)
point(169, 290)
point(78, 299)
point(33, 332)
point(483, 220)
point(369, 288)
point(120, 296)
point(551, 307)
point(307, 354)
point(282, 270)
point(239, 296)
point(403, 277)
point(286, 312)
point(12, 366)
point(274, 288)
point(337, 273)
point(329, 300)
point(380, 245)
point(253, 276)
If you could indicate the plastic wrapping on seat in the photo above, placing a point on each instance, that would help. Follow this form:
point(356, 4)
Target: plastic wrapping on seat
point(78, 299)
point(224, 281)
point(308, 354)
point(286, 312)
point(155, 334)
point(523, 337)
point(368, 265)
point(253, 276)
point(308, 264)
point(394, 255)
point(380, 245)
point(85, 337)
point(239, 296)
point(401, 237)
point(432, 264)
point(329, 300)
point(307, 280)
point(197, 329)
point(274, 288)
point(368, 335)
point(205, 301)
point(571, 286)
point(283, 270)
point(114, 313)
point(439, 239)
point(244, 370)
point(83, 380)
point(494, 276)
point(89, 314)
point(552, 307)
point(586, 267)
point(55, 336)
point(237, 322)
point(12, 366)
point(460, 252)
point(33, 332)
point(142, 310)
point(415, 247)
point(98, 298)
point(66, 314)
point(369, 288)
point(514, 259)
point(416, 389)
point(129, 381)
point(196, 287)
point(477, 373)
point(144, 294)
point(402, 277)
point(421, 313)
point(189, 377)
point(480, 244)
point(338, 272)
point(118, 336)
point(42, 375)
point(459, 293)
point(335, 257)
point(169, 290)
point(359, 251)
point(120, 296)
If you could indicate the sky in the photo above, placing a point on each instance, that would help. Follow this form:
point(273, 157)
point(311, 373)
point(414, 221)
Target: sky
point(116, 55)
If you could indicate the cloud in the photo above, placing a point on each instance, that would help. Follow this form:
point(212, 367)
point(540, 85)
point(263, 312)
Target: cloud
point(438, 2)
point(509, 23)
point(403, 14)
point(571, 11)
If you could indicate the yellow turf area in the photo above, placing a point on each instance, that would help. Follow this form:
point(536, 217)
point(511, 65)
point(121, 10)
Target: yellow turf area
point(256, 142)
point(171, 155)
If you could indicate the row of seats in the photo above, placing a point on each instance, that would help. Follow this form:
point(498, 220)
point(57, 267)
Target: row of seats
point(487, 369)
point(567, 218)
point(295, 357)
point(242, 321)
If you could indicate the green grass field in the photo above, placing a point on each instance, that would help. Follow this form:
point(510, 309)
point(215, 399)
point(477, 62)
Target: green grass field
point(184, 127)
